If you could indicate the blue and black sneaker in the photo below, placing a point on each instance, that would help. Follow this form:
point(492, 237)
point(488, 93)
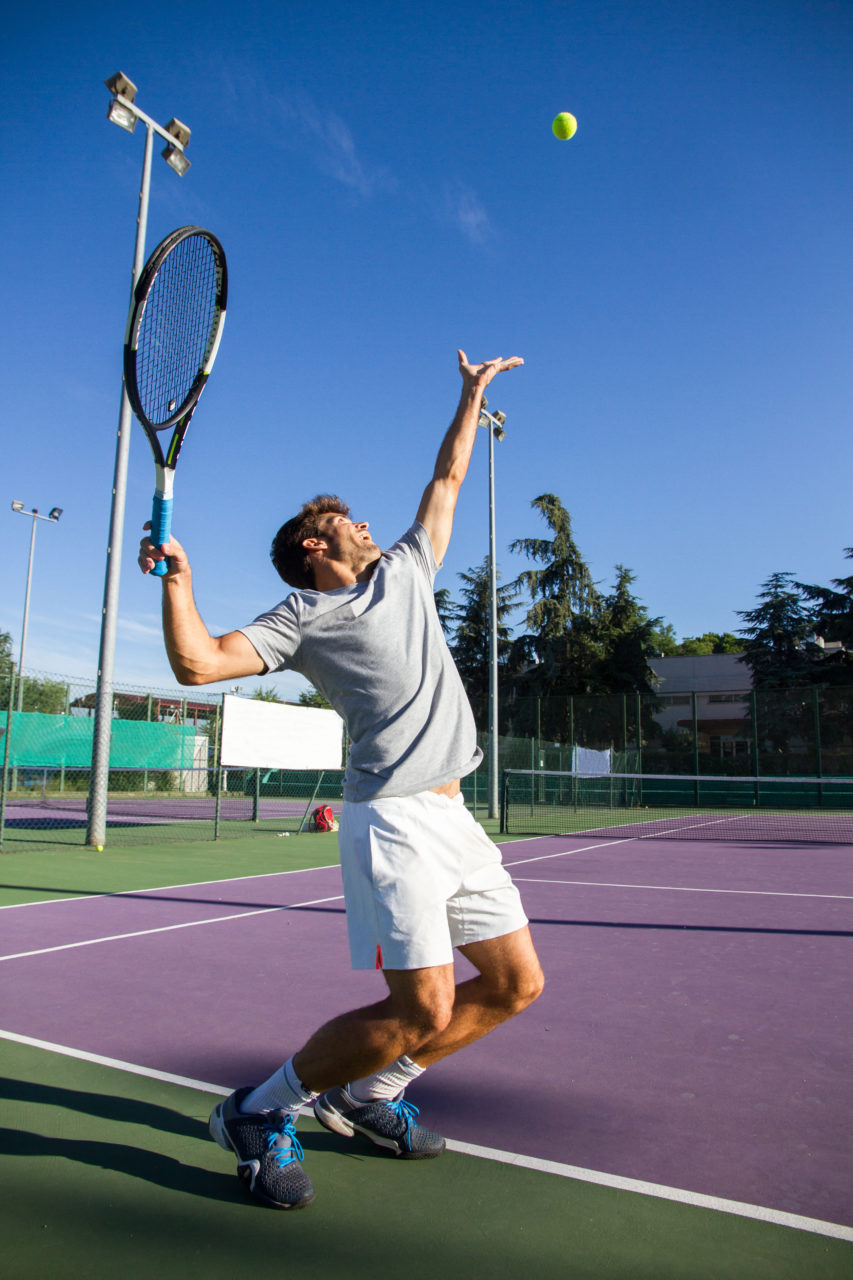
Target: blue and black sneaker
point(269, 1154)
point(389, 1124)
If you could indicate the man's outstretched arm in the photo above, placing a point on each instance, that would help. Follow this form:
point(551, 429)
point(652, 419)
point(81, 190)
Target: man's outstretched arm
point(439, 501)
point(195, 656)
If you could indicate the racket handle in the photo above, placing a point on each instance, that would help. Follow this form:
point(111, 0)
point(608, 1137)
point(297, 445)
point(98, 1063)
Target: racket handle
point(161, 530)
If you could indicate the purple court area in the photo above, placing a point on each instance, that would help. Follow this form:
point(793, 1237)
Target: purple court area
point(695, 1031)
point(68, 811)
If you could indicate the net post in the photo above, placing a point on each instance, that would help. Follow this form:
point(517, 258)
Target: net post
point(755, 739)
point(217, 767)
point(504, 802)
point(256, 798)
point(302, 824)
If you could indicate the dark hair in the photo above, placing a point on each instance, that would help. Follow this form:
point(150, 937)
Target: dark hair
point(291, 560)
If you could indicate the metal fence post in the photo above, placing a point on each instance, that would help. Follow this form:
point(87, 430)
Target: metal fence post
point(6, 742)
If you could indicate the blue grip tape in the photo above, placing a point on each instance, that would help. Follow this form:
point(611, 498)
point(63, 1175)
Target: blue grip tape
point(161, 529)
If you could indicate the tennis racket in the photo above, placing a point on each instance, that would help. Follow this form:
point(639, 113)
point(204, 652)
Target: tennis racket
point(173, 334)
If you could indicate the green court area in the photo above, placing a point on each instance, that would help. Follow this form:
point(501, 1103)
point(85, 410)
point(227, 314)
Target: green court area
point(53, 868)
point(107, 1172)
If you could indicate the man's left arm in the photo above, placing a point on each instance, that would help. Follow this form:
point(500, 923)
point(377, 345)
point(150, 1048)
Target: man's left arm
point(438, 503)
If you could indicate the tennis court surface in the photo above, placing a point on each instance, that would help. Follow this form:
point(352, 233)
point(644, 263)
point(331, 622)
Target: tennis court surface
point(678, 1103)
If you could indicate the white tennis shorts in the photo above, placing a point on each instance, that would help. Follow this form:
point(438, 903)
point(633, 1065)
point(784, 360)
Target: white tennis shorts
point(420, 878)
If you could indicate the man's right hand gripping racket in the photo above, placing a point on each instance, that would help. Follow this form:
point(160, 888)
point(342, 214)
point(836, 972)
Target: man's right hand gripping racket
point(173, 334)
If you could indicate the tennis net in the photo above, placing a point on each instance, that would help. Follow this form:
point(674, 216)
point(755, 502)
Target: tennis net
point(665, 806)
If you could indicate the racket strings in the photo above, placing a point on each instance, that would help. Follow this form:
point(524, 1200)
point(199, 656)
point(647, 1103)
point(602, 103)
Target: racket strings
point(177, 328)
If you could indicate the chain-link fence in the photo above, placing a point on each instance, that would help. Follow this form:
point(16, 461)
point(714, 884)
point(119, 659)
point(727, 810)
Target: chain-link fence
point(804, 732)
point(166, 782)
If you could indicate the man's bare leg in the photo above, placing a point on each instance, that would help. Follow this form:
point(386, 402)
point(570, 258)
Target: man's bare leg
point(510, 978)
point(425, 1015)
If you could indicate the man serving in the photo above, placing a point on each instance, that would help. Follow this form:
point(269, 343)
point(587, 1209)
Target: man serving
point(420, 875)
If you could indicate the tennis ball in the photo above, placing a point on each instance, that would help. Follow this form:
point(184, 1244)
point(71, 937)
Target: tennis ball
point(99, 848)
point(564, 126)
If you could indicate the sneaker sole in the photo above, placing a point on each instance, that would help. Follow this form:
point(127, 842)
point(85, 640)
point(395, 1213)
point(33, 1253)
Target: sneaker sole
point(336, 1122)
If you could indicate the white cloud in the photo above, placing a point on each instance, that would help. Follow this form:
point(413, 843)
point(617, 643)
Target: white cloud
point(467, 212)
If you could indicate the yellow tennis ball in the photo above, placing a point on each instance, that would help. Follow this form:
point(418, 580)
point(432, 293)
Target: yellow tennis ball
point(564, 126)
point(99, 848)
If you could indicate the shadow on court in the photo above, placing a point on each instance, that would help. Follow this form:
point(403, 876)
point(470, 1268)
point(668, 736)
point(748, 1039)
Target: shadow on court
point(691, 928)
point(161, 1170)
point(103, 1105)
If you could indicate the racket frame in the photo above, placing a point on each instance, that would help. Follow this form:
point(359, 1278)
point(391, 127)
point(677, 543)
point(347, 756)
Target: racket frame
point(166, 461)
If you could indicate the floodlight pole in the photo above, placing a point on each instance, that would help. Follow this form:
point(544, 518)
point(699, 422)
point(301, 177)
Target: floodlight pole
point(495, 426)
point(123, 94)
point(19, 509)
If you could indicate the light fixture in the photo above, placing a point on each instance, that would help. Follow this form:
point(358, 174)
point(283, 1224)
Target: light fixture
point(174, 154)
point(119, 84)
point(55, 513)
point(120, 110)
point(121, 115)
point(179, 131)
point(175, 159)
point(17, 506)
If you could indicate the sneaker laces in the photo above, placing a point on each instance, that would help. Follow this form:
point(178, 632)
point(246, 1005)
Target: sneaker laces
point(283, 1155)
point(405, 1112)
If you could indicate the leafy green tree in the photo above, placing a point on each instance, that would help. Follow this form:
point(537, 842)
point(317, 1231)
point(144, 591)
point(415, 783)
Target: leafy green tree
point(47, 696)
point(779, 648)
point(7, 668)
point(444, 608)
point(578, 641)
point(665, 641)
point(313, 698)
point(265, 695)
point(628, 636)
point(709, 642)
point(560, 649)
point(832, 615)
point(471, 630)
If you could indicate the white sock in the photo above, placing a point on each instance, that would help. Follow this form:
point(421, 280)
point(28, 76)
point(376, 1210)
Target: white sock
point(387, 1083)
point(283, 1091)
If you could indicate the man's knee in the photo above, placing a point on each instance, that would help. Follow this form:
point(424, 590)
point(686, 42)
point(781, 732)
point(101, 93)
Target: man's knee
point(521, 987)
point(423, 1009)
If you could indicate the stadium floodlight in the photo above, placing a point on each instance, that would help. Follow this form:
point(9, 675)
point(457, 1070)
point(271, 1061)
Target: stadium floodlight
point(54, 514)
point(176, 135)
point(17, 506)
point(124, 112)
point(121, 110)
point(494, 424)
point(121, 86)
point(174, 154)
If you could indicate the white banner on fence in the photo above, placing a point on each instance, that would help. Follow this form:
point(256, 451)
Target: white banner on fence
point(275, 735)
point(588, 760)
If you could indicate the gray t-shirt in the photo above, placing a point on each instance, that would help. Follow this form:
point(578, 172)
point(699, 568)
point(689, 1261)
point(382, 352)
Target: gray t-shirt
point(376, 650)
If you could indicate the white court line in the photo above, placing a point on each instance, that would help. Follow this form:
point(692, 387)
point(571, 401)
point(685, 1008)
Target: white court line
point(679, 888)
point(694, 1199)
point(568, 853)
point(168, 928)
point(165, 888)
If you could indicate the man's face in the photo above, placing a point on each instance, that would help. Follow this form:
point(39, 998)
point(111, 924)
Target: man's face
point(348, 541)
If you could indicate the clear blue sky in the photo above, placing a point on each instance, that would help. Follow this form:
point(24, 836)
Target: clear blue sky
point(386, 185)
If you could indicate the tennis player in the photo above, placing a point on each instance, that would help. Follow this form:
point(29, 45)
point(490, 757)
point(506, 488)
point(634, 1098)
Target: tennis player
point(420, 875)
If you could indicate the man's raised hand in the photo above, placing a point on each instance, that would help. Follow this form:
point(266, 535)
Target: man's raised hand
point(480, 375)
